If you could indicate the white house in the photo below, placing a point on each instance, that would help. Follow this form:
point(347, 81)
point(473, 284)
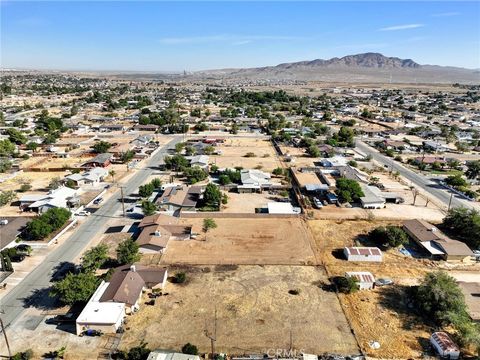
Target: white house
point(365, 279)
point(61, 197)
point(200, 161)
point(93, 177)
point(106, 317)
point(170, 355)
point(371, 254)
point(254, 180)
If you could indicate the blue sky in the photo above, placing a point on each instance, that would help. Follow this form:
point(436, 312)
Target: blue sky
point(171, 36)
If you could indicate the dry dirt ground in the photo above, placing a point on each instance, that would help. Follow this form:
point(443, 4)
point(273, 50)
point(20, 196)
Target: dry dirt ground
point(235, 149)
point(378, 315)
point(247, 203)
point(244, 241)
point(255, 312)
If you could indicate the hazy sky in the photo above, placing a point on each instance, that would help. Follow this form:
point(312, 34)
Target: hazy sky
point(171, 36)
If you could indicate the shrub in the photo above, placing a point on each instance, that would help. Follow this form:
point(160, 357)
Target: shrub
point(127, 252)
point(25, 188)
point(249, 155)
point(189, 349)
point(346, 284)
point(180, 278)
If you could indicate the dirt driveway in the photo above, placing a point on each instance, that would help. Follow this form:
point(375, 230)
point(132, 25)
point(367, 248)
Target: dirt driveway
point(255, 312)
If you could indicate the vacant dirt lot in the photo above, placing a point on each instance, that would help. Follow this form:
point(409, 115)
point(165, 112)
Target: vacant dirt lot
point(244, 241)
point(255, 312)
point(235, 149)
point(246, 203)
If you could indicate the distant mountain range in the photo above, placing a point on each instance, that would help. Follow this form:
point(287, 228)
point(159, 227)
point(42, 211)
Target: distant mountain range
point(367, 67)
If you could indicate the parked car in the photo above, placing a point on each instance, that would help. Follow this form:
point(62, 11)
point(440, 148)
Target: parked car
point(383, 282)
point(3, 222)
point(98, 201)
point(83, 213)
point(317, 203)
point(91, 332)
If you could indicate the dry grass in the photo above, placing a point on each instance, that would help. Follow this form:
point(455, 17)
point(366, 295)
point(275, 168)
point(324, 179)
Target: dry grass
point(244, 241)
point(255, 312)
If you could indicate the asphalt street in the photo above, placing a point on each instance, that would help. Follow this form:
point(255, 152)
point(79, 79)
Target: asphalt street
point(13, 304)
point(417, 180)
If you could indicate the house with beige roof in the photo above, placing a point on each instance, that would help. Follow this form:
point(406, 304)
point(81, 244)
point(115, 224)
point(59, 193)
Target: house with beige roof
point(157, 230)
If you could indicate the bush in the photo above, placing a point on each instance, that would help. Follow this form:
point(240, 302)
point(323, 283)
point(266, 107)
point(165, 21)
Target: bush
point(346, 284)
point(25, 188)
point(391, 236)
point(146, 190)
point(277, 171)
point(249, 155)
point(465, 224)
point(189, 349)
point(180, 278)
point(24, 355)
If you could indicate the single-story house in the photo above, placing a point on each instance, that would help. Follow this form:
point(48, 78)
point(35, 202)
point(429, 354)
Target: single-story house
point(10, 231)
point(157, 230)
point(101, 160)
point(102, 316)
point(370, 200)
point(128, 282)
point(148, 127)
point(437, 244)
point(199, 160)
point(471, 291)
point(357, 253)
point(170, 355)
point(62, 197)
point(444, 345)
point(365, 279)
point(112, 127)
point(183, 198)
point(335, 161)
point(254, 181)
point(91, 177)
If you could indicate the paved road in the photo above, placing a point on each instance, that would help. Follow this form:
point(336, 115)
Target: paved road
point(13, 303)
point(443, 195)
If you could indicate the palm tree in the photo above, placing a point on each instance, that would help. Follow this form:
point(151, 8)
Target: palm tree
point(112, 174)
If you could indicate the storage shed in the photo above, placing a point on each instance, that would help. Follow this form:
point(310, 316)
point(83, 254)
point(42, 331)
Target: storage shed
point(365, 279)
point(444, 345)
point(358, 253)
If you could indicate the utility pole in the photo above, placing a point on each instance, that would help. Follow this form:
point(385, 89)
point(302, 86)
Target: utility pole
point(213, 336)
point(450, 201)
point(6, 338)
point(123, 201)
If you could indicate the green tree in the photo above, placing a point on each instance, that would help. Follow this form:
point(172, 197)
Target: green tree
point(7, 148)
point(464, 224)
point(139, 352)
point(180, 278)
point(146, 190)
point(148, 207)
point(94, 258)
point(127, 252)
point(212, 195)
point(54, 183)
point(348, 190)
point(5, 165)
point(112, 174)
point(313, 151)
point(101, 147)
point(439, 296)
point(16, 136)
point(278, 171)
point(391, 236)
point(473, 169)
point(456, 181)
point(195, 174)
point(6, 197)
point(75, 288)
point(32, 146)
point(156, 182)
point(127, 156)
point(209, 224)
